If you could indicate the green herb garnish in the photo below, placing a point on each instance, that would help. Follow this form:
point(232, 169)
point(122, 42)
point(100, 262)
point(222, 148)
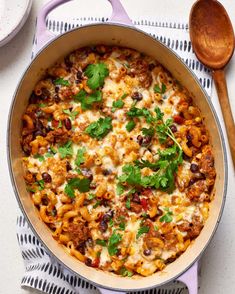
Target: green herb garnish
point(120, 189)
point(101, 242)
point(39, 157)
point(100, 128)
point(148, 131)
point(91, 196)
point(130, 125)
point(125, 272)
point(66, 150)
point(96, 74)
point(159, 90)
point(141, 231)
point(61, 82)
point(167, 217)
point(128, 203)
point(83, 185)
point(117, 104)
point(80, 156)
point(72, 114)
point(122, 226)
point(96, 204)
point(87, 100)
point(41, 185)
point(113, 243)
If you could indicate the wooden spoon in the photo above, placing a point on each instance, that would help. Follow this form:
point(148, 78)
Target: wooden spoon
point(212, 37)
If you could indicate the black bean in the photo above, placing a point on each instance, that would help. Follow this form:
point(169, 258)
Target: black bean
point(173, 128)
point(136, 198)
point(81, 247)
point(147, 252)
point(57, 98)
point(57, 88)
point(189, 137)
point(79, 75)
point(146, 140)
point(107, 216)
point(103, 226)
point(137, 96)
point(140, 139)
point(45, 94)
point(45, 201)
point(194, 168)
point(87, 173)
point(93, 186)
point(68, 62)
point(88, 261)
point(68, 124)
point(68, 166)
point(191, 182)
point(46, 177)
point(151, 66)
point(106, 172)
point(33, 99)
point(89, 242)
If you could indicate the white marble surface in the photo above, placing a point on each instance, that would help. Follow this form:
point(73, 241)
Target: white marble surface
point(218, 261)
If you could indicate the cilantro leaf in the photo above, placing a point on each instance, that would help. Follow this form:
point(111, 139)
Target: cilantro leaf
point(83, 185)
point(141, 112)
point(131, 175)
point(39, 157)
point(101, 242)
point(66, 150)
point(62, 82)
point(91, 196)
point(100, 128)
point(167, 217)
point(130, 125)
point(113, 242)
point(80, 156)
point(41, 185)
point(126, 273)
point(159, 90)
point(96, 74)
point(72, 114)
point(128, 203)
point(148, 132)
point(120, 189)
point(122, 226)
point(88, 100)
point(117, 104)
point(124, 96)
point(96, 204)
point(141, 231)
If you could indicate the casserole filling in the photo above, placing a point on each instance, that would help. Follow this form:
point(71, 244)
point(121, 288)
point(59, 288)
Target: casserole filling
point(117, 160)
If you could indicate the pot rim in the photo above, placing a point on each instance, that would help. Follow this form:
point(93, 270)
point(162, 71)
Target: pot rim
point(206, 96)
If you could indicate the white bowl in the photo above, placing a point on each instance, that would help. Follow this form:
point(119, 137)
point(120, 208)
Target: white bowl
point(13, 14)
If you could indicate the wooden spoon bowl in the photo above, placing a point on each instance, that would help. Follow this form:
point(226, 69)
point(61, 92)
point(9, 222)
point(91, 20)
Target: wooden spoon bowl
point(212, 38)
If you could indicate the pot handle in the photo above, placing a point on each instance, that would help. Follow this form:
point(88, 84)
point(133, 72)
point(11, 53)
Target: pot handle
point(43, 36)
point(189, 278)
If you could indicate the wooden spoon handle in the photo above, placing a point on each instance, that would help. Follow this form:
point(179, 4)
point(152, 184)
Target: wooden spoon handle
point(222, 91)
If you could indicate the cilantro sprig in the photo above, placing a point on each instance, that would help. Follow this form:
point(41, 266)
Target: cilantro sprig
point(114, 240)
point(72, 114)
point(82, 185)
point(167, 217)
point(117, 104)
point(80, 156)
point(96, 74)
point(100, 128)
point(142, 230)
point(62, 82)
point(66, 150)
point(159, 90)
point(87, 100)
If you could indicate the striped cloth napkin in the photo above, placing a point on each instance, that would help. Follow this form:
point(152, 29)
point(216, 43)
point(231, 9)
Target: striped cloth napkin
point(42, 271)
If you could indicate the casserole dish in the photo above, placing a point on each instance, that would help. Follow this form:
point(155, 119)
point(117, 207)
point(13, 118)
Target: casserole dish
point(112, 34)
